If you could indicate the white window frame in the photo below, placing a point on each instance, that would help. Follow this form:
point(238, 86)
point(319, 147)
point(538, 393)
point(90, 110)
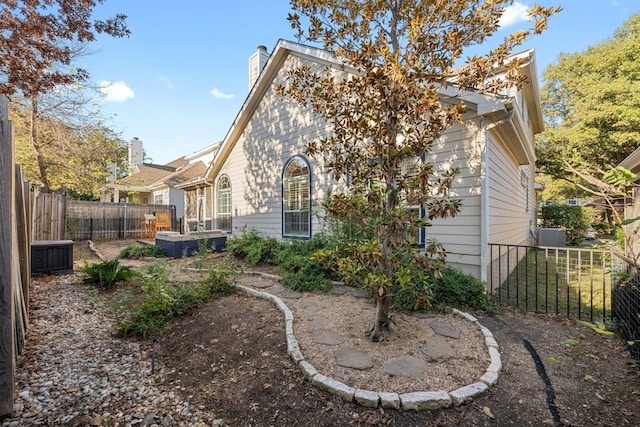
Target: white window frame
point(296, 198)
point(223, 203)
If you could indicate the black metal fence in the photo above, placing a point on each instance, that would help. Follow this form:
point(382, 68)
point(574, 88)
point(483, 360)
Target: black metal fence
point(599, 286)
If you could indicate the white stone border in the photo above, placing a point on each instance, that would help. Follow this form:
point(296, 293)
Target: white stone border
point(414, 401)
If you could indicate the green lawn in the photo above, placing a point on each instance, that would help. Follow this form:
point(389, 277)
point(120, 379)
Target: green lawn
point(570, 282)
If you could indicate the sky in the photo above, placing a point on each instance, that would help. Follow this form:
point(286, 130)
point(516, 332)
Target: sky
point(178, 82)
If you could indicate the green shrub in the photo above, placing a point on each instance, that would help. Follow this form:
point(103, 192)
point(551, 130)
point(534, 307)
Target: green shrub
point(159, 301)
point(106, 273)
point(620, 238)
point(141, 251)
point(254, 248)
point(453, 289)
point(414, 295)
point(222, 279)
point(457, 289)
point(303, 273)
point(574, 219)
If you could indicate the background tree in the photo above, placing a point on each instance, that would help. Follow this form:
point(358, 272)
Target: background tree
point(590, 103)
point(38, 42)
point(80, 152)
point(388, 113)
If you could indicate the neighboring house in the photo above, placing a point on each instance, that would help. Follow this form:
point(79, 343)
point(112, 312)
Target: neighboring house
point(260, 178)
point(632, 210)
point(154, 184)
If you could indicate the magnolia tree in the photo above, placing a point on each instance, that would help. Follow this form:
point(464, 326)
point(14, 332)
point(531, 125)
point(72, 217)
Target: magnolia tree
point(387, 114)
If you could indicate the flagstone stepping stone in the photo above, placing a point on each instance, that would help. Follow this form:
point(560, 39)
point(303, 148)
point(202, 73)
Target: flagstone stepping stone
point(326, 338)
point(353, 358)
point(339, 290)
point(292, 294)
point(361, 293)
point(444, 329)
point(438, 349)
point(309, 307)
point(406, 366)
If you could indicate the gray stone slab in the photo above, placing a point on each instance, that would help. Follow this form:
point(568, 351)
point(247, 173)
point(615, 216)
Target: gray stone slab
point(466, 393)
point(353, 358)
point(367, 398)
point(258, 282)
point(406, 366)
point(420, 400)
point(361, 293)
point(444, 329)
point(438, 349)
point(339, 290)
point(308, 370)
point(291, 294)
point(334, 387)
point(465, 315)
point(326, 338)
point(292, 343)
point(490, 378)
point(309, 307)
point(390, 400)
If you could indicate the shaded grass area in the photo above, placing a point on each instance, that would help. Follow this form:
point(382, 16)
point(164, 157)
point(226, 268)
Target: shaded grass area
point(571, 282)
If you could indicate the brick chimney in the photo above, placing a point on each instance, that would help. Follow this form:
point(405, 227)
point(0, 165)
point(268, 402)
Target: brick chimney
point(257, 62)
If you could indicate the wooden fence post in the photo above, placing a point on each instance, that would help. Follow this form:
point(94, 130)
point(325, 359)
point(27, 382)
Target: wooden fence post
point(7, 307)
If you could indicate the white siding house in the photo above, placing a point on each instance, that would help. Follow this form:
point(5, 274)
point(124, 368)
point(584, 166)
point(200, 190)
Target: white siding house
point(493, 149)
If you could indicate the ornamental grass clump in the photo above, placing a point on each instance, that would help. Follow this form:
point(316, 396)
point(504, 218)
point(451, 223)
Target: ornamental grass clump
point(106, 273)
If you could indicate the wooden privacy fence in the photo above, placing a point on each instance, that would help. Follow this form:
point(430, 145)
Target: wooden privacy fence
point(104, 221)
point(49, 215)
point(15, 274)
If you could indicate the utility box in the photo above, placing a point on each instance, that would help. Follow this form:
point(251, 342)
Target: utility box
point(553, 237)
point(51, 257)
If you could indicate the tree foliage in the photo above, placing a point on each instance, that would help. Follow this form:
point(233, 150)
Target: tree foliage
point(78, 154)
point(387, 112)
point(39, 36)
point(590, 104)
point(39, 41)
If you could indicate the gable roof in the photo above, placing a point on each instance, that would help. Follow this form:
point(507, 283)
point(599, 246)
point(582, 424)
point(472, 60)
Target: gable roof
point(483, 104)
point(147, 174)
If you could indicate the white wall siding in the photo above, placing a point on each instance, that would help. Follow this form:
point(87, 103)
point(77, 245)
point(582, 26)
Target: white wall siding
point(460, 235)
point(176, 197)
point(277, 131)
point(512, 208)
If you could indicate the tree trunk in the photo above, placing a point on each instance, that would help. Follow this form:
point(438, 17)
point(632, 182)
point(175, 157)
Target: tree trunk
point(35, 144)
point(382, 322)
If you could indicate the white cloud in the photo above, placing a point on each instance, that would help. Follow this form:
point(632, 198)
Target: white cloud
point(116, 91)
point(513, 14)
point(165, 81)
point(216, 93)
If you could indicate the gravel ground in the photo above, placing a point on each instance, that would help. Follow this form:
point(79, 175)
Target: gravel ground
point(74, 372)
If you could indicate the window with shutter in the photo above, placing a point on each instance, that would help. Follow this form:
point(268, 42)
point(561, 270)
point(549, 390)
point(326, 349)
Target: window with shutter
point(223, 203)
point(296, 199)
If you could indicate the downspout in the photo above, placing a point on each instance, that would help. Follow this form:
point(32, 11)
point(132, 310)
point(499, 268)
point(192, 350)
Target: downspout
point(484, 190)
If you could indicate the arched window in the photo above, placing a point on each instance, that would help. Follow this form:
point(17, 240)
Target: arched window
point(223, 203)
point(296, 198)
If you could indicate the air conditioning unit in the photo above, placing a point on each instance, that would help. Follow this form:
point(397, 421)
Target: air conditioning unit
point(553, 237)
point(51, 257)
